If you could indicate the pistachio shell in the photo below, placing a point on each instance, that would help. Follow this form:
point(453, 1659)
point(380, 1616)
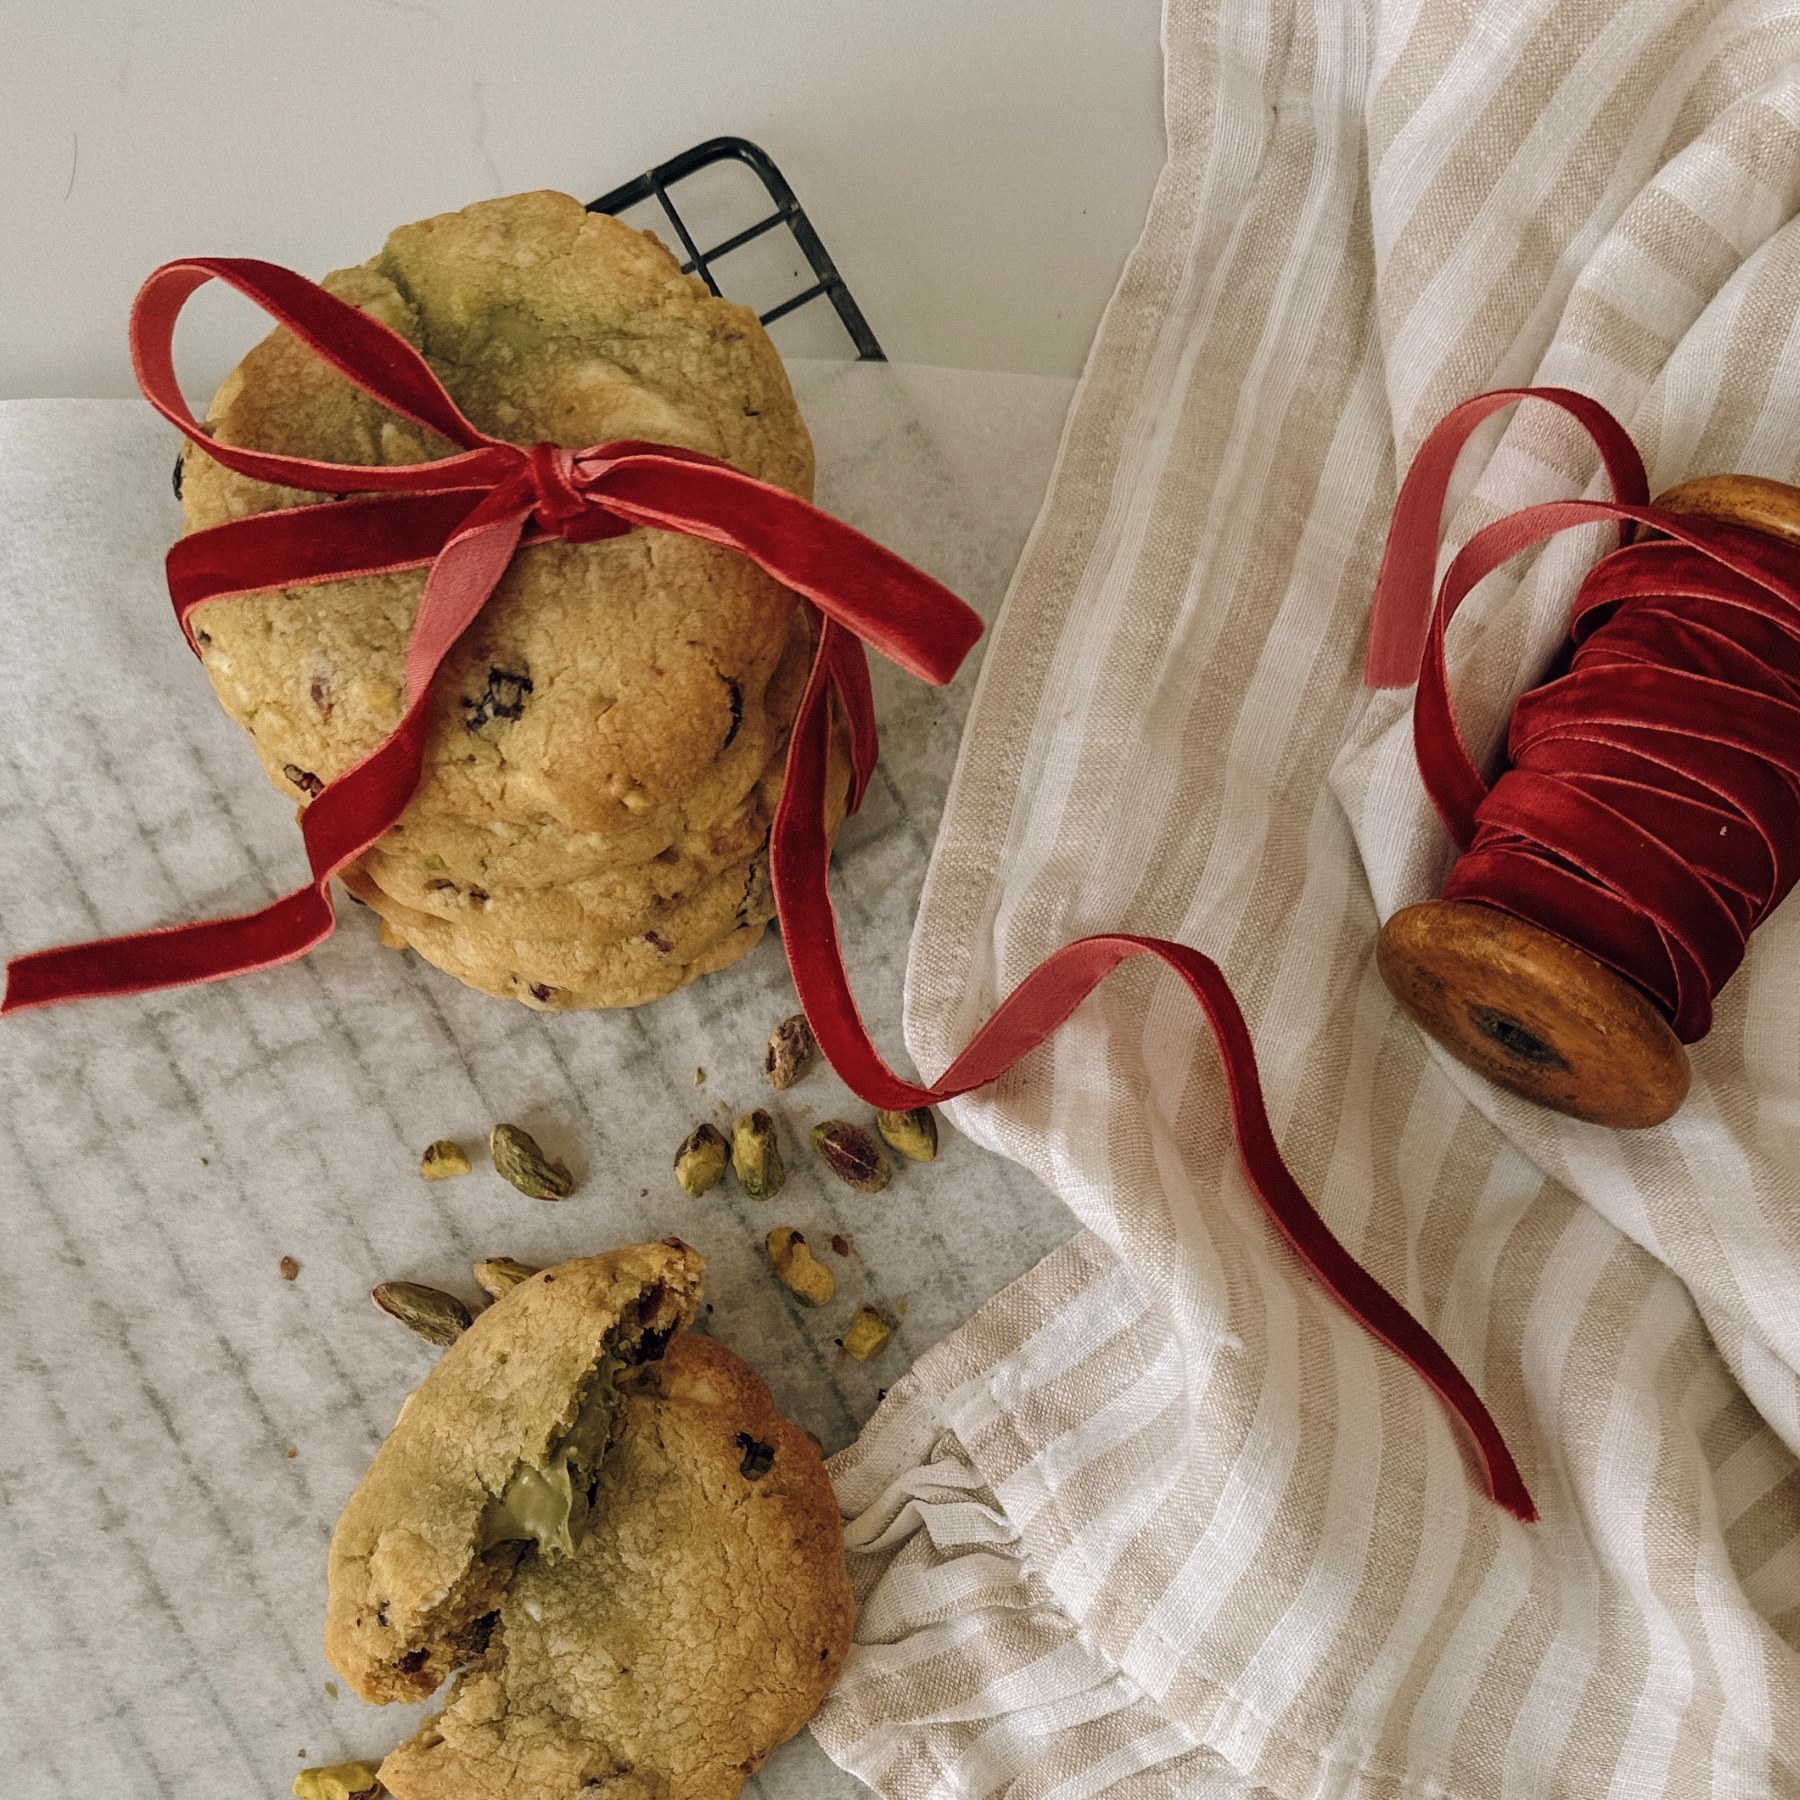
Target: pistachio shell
point(517, 1157)
point(427, 1312)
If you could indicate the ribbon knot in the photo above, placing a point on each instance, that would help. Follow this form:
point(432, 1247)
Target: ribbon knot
point(565, 484)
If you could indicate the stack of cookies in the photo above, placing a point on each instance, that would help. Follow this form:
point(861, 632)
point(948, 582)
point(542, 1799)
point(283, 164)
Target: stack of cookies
point(607, 739)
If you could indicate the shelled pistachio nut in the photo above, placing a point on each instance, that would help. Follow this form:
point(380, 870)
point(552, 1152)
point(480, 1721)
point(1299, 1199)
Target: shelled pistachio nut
point(852, 1155)
point(443, 1159)
point(700, 1162)
point(791, 1053)
point(913, 1132)
point(801, 1273)
point(756, 1155)
point(342, 1781)
point(867, 1334)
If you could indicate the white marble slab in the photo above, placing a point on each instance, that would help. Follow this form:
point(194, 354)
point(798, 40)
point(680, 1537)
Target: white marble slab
point(178, 1425)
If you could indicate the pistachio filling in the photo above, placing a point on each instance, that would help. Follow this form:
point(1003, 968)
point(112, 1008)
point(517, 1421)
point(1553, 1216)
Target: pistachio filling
point(549, 1505)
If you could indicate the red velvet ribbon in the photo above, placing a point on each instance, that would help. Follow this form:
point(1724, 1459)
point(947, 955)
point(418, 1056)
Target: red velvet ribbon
point(1649, 813)
point(465, 516)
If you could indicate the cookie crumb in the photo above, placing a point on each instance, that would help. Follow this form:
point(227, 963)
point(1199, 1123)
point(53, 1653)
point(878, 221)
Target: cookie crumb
point(840, 1244)
point(331, 1690)
point(699, 1078)
point(293, 1450)
point(290, 1268)
point(204, 1163)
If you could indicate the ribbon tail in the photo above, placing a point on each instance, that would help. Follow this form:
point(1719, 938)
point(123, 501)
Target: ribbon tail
point(177, 956)
point(338, 826)
point(850, 677)
point(799, 859)
point(1042, 1002)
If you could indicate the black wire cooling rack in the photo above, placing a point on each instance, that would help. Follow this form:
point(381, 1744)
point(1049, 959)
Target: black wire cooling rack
point(828, 284)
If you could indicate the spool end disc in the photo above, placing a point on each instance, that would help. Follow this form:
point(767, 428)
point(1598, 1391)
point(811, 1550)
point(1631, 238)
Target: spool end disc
point(1772, 507)
point(1533, 1013)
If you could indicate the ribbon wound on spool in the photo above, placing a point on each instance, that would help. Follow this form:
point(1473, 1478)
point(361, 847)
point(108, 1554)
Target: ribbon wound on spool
point(1649, 811)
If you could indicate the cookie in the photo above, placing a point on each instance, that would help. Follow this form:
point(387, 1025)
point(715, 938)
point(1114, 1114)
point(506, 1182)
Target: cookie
point(521, 1407)
point(615, 693)
point(700, 1623)
point(683, 935)
point(554, 884)
point(707, 931)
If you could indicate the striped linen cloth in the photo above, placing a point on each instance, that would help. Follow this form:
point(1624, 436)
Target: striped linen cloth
point(1160, 1520)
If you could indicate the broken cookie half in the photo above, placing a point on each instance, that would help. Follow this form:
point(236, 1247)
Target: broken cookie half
point(636, 1563)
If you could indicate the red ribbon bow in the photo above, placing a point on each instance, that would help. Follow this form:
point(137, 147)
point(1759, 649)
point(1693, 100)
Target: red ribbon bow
point(466, 515)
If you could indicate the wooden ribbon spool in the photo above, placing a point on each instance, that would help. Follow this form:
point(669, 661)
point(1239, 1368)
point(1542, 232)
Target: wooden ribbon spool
point(1529, 1010)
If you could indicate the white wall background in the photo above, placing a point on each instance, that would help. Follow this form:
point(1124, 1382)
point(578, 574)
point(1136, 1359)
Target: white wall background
point(979, 168)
